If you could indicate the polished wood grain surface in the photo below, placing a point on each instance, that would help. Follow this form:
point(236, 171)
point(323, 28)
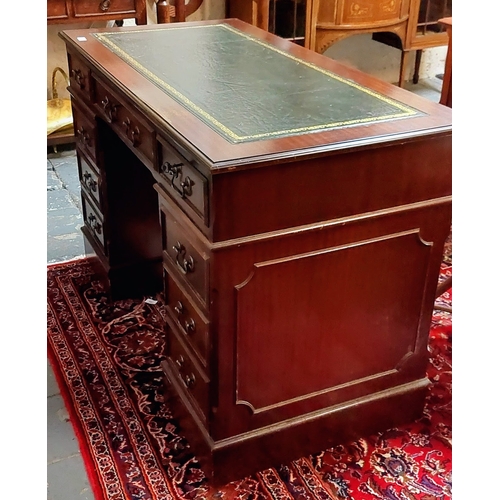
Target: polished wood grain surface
point(168, 113)
point(299, 273)
point(75, 11)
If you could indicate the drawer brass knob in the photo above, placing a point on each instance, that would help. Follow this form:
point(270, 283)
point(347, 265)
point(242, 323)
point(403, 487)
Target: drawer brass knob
point(94, 224)
point(174, 170)
point(83, 136)
point(180, 361)
point(190, 380)
point(133, 134)
point(104, 5)
point(109, 108)
point(89, 182)
point(79, 78)
point(179, 308)
point(190, 326)
point(186, 264)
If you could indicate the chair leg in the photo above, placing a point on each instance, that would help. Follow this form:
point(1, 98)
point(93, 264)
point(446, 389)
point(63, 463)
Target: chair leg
point(402, 67)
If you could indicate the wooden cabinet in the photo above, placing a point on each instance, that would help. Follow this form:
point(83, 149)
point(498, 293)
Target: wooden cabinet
point(408, 25)
point(298, 253)
point(81, 11)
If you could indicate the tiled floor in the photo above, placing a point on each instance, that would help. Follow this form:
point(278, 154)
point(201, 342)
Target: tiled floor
point(66, 476)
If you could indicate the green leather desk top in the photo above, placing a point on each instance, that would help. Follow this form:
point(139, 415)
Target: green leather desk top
point(246, 89)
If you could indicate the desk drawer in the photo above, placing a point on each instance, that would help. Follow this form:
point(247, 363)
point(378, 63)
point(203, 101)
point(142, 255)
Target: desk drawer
point(123, 119)
point(190, 321)
point(368, 12)
point(90, 181)
point(94, 222)
point(189, 262)
point(79, 76)
point(186, 185)
point(194, 382)
point(85, 131)
point(96, 7)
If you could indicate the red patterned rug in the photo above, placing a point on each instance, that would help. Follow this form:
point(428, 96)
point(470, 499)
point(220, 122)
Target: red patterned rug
point(106, 357)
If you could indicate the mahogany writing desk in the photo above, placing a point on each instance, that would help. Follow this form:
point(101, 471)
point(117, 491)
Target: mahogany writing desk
point(292, 210)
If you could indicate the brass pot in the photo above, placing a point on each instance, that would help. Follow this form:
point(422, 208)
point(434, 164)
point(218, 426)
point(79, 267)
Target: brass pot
point(59, 114)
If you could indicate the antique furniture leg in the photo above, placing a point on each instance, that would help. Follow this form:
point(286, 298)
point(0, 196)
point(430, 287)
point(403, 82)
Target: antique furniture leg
point(446, 89)
point(418, 59)
point(402, 67)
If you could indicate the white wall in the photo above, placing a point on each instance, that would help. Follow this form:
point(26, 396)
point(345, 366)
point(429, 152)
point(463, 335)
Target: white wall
point(359, 51)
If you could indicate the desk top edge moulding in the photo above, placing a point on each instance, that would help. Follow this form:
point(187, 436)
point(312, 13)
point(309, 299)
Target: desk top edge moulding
point(290, 214)
point(318, 97)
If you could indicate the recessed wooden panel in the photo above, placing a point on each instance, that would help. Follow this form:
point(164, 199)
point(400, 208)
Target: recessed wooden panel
point(56, 10)
point(337, 301)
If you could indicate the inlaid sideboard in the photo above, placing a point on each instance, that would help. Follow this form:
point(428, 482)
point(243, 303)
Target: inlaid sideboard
point(409, 25)
point(291, 212)
point(77, 11)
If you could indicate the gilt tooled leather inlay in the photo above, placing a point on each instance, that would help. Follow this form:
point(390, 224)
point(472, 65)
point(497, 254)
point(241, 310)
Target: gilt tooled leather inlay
point(245, 88)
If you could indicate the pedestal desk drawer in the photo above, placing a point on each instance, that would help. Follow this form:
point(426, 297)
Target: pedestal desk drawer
point(124, 121)
point(93, 220)
point(189, 262)
point(186, 185)
point(193, 380)
point(85, 131)
point(190, 321)
point(366, 11)
point(90, 181)
point(79, 76)
point(95, 7)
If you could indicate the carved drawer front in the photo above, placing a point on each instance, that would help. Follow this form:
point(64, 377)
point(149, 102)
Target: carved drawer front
point(369, 12)
point(85, 131)
point(124, 121)
point(94, 222)
point(90, 181)
point(57, 10)
point(96, 7)
point(79, 76)
point(188, 187)
point(191, 378)
point(189, 263)
point(188, 318)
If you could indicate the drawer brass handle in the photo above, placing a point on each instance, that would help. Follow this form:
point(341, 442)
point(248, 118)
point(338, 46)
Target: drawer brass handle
point(104, 5)
point(95, 225)
point(83, 135)
point(189, 380)
point(186, 265)
point(190, 326)
point(79, 78)
point(89, 182)
point(109, 108)
point(133, 134)
point(179, 308)
point(174, 170)
point(135, 137)
point(186, 187)
point(180, 361)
